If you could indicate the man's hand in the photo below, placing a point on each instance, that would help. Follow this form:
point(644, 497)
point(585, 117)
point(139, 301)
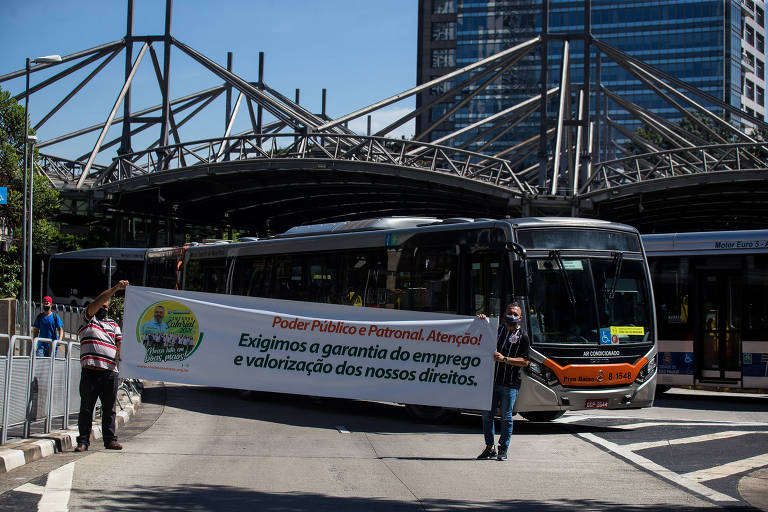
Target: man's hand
point(498, 357)
point(122, 284)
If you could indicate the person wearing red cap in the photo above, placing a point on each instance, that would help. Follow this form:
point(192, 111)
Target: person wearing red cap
point(47, 325)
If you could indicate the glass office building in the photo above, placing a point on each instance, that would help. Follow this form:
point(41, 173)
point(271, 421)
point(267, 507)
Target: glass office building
point(717, 46)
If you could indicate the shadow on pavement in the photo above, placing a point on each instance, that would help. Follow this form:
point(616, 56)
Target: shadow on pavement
point(354, 415)
point(712, 402)
point(224, 498)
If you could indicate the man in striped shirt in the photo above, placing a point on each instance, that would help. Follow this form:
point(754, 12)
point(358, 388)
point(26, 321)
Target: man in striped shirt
point(100, 338)
point(511, 356)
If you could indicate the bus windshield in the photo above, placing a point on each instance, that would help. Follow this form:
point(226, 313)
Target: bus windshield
point(589, 301)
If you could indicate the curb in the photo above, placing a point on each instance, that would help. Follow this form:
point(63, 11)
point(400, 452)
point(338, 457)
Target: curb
point(38, 446)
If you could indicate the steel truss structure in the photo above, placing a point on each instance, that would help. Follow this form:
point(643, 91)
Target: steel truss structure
point(569, 168)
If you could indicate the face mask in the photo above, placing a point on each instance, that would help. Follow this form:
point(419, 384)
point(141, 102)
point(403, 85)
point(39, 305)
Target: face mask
point(512, 319)
point(101, 314)
point(47, 308)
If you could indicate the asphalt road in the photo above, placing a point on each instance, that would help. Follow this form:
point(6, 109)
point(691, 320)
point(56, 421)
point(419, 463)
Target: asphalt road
point(194, 448)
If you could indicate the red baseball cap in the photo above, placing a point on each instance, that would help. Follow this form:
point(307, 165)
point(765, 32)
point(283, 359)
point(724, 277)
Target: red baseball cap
point(47, 299)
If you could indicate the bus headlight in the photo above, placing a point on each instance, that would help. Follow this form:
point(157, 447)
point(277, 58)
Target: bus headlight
point(647, 370)
point(542, 373)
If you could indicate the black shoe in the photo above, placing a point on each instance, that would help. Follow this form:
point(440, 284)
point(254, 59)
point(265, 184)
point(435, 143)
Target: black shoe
point(82, 447)
point(113, 445)
point(488, 453)
point(502, 455)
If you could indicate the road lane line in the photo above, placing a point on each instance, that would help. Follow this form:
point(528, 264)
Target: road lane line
point(632, 426)
point(57, 490)
point(732, 468)
point(688, 440)
point(30, 488)
point(657, 469)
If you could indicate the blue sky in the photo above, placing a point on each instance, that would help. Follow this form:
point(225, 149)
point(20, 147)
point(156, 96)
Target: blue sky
point(360, 51)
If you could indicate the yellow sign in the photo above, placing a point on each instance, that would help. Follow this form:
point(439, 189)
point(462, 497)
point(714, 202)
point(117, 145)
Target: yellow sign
point(628, 329)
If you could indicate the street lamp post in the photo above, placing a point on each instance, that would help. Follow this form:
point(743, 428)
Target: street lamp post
point(26, 262)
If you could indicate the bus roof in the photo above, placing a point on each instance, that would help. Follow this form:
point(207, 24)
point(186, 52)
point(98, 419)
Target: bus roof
point(123, 253)
point(706, 243)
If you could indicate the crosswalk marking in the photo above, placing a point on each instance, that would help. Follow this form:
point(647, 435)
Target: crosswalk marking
point(659, 470)
point(688, 440)
point(31, 488)
point(57, 490)
point(731, 468)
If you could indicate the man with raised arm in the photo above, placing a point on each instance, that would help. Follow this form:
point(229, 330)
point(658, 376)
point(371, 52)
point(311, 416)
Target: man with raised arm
point(100, 338)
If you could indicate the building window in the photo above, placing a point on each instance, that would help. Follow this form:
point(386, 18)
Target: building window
point(444, 58)
point(760, 69)
point(760, 43)
point(441, 88)
point(443, 6)
point(749, 35)
point(749, 59)
point(760, 17)
point(750, 4)
point(749, 89)
point(749, 111)
point(760, 96)
point(444, 31)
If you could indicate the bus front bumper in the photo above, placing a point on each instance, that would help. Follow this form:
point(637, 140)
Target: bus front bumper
point(536, 396)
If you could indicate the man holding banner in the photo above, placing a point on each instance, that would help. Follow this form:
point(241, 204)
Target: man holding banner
point(511, 355)
point(100, 339)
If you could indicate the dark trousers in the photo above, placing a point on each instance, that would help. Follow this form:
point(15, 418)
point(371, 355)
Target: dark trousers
point(102, 385)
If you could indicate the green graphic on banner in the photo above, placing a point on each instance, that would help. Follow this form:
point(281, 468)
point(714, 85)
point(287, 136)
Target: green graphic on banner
point(169, 331)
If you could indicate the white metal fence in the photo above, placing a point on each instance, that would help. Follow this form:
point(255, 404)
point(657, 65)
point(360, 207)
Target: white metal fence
point(39, 393)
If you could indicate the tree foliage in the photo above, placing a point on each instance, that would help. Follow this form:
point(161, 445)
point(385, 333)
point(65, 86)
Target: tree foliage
point(46, 200)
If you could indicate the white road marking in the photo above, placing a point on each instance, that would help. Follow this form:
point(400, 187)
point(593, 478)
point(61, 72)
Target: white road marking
point(661, 471)
point(30, 488)
point(646, 424)
point(57, 490)
point(687, 440)
point(732, 468)
point(342, 429)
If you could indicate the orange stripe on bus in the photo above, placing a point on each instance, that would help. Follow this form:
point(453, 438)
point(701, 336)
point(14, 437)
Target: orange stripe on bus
point(596, 374)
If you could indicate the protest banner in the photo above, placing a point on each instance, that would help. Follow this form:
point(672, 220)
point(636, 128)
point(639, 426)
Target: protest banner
point(307, 348)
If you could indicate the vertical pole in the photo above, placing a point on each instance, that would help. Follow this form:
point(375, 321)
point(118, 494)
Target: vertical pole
point(24, 270)
point(125, 144)
point(596, 151)
point(582, 165)
point(29, 237)
point(369, 126)
point(298, 96)
point(543, 81)
point(42, 278)
point(259, 109)
point(228, 107)
point(323, 103)
point(109, 272)
point(166, 83)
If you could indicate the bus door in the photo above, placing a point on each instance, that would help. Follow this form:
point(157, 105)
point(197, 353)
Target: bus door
point(718, 327)
point(486, 283)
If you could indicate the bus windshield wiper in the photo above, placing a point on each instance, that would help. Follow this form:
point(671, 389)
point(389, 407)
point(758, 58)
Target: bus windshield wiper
point(618, 258)
point(555, 255)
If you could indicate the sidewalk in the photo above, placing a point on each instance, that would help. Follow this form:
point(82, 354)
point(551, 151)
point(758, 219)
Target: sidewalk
point(705, 393)
point(13, 455)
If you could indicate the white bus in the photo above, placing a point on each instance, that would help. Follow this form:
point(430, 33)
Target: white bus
point(712, 306)
point(584, 283)
point(77, 277)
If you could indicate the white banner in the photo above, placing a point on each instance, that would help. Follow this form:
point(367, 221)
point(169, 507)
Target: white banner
point(306, 348)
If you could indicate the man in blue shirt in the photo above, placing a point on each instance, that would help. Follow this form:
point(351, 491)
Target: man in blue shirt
point(47, 325)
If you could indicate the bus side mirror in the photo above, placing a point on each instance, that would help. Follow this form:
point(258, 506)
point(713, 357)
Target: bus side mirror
point(519, 278)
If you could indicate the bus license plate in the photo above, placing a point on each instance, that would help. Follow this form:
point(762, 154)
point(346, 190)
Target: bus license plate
point(596, 403)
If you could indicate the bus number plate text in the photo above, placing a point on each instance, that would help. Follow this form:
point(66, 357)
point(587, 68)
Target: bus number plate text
point(596, 403)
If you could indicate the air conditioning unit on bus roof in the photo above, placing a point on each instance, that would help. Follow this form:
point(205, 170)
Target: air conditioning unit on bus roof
point(380, 223)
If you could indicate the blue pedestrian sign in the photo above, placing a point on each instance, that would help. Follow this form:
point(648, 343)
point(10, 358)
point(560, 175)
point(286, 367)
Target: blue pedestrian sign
point(3, 195)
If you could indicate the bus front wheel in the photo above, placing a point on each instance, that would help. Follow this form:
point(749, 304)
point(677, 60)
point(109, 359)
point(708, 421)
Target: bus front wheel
point(540, 416)
point(430, 414)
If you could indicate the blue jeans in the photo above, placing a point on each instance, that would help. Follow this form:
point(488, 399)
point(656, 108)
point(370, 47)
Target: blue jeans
point(503, 398)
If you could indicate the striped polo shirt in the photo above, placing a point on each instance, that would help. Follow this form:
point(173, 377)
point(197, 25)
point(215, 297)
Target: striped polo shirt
point(510, 344)
point(99, 342)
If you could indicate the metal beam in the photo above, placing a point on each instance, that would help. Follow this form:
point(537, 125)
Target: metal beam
point(111, 116)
